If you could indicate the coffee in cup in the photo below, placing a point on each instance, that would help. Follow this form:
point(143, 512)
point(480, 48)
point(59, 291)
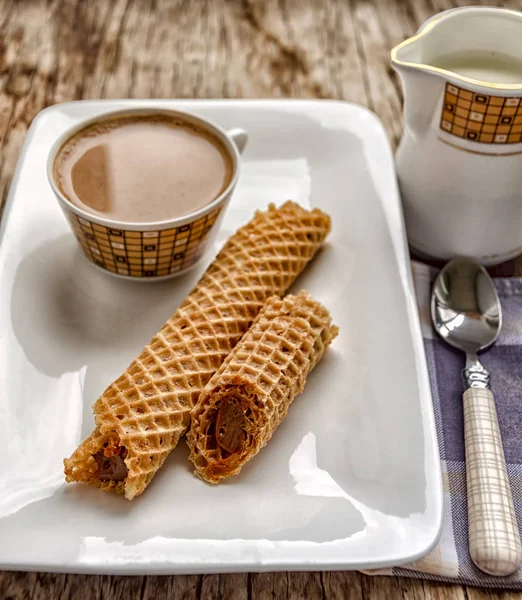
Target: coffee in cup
point(143, 168)
point(144, 189)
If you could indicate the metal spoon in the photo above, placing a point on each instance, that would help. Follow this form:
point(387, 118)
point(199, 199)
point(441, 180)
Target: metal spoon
point(466, 313)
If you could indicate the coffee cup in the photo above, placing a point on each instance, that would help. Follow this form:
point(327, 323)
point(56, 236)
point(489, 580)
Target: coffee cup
point(114, 228)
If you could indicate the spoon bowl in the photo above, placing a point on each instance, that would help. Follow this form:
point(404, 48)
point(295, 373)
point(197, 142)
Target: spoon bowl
point(465, 306)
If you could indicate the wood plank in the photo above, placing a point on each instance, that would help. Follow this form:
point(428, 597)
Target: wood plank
point(224, 587)
point(266, 586)
point(474, 593)
point(287, 586)
point(16, 585)
point(342, 585)
point(184, 587)
point(383, 96)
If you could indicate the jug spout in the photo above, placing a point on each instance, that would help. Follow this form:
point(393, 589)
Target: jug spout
point(421, 86)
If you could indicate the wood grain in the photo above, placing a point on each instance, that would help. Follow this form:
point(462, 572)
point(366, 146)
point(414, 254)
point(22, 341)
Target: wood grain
point(60, 50)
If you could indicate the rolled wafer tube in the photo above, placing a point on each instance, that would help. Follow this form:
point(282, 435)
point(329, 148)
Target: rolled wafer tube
point(249, 396)
point(142, 415)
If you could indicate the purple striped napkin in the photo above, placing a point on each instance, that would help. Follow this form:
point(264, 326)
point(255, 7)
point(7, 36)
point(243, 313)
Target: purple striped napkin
point(450, 561)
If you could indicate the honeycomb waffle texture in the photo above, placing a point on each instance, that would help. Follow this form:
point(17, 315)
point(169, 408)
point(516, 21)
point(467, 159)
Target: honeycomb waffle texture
point(258, 381)
point(147, 409)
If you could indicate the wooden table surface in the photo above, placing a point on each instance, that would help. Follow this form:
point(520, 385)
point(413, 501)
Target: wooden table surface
point(59, 50)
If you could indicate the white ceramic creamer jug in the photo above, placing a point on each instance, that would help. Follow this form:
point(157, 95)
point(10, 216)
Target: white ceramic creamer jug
point(459, 162)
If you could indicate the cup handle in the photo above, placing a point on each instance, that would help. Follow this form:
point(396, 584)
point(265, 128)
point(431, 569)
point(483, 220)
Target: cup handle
point(239, 137)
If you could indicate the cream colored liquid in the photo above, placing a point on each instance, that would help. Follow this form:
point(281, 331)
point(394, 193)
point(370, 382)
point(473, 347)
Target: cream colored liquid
point(493, 67)
point(142, 169)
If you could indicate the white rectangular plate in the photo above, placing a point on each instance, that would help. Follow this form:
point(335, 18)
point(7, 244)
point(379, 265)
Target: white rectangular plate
point(351, 479)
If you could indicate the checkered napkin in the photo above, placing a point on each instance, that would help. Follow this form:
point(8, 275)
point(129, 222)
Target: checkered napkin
point(450, 561)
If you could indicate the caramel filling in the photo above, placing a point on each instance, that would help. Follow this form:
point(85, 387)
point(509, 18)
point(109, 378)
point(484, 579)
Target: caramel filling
point(230, 425)
point(113, 467)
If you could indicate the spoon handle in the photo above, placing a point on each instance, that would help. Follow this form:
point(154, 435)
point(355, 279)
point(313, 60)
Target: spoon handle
point(494, 541)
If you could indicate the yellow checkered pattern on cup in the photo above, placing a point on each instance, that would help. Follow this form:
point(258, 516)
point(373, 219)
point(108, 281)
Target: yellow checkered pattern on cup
point(481, 118)
point(143, 253)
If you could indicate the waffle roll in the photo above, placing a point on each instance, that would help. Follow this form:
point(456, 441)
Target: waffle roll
point(250, 394)
point(141, 416)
